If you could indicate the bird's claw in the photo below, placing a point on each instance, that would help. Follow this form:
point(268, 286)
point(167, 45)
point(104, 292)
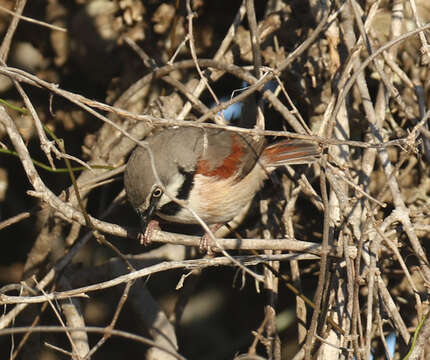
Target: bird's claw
point(146, 238)
point(207, 245)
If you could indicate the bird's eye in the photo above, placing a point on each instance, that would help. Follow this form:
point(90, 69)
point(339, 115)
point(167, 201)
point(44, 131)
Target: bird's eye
point(157, 192)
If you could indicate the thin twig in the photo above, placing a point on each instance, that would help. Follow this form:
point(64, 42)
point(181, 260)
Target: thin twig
point(31, 20)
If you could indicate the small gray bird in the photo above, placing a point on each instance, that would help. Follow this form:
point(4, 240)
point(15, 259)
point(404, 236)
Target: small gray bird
point(214, 172)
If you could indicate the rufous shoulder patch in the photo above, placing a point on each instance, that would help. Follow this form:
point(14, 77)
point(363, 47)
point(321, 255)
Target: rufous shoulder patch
point(228, 167)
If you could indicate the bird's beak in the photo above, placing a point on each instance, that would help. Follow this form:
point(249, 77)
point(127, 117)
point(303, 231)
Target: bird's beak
point(146, 215)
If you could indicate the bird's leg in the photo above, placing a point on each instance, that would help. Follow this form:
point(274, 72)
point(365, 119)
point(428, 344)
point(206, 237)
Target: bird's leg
point(146, 238)
point(206, 242)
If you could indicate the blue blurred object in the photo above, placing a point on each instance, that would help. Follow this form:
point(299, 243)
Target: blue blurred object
point(271, 85)
point(391, 340)
point(391, 343)
point(234, 111)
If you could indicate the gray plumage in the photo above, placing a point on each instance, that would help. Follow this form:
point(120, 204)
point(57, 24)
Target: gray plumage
point(214, 171)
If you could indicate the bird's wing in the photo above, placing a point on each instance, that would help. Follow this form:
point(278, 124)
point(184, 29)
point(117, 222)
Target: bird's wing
point(228, 154)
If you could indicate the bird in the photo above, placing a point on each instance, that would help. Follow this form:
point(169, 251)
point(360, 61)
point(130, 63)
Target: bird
point(212, 171)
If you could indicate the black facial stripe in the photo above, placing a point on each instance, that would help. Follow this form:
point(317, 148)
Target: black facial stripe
point(172, 208)
point(185, 189)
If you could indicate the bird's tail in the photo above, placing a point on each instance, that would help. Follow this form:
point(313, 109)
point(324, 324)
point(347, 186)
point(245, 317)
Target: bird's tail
point(291, 152)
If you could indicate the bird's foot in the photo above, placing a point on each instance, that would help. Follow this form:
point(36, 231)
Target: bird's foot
point(146, 238)
point(207, 244)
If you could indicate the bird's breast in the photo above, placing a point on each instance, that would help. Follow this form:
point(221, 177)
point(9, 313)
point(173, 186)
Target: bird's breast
point(218, 200)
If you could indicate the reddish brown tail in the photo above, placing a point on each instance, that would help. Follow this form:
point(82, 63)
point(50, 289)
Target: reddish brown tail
point(290, 152)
